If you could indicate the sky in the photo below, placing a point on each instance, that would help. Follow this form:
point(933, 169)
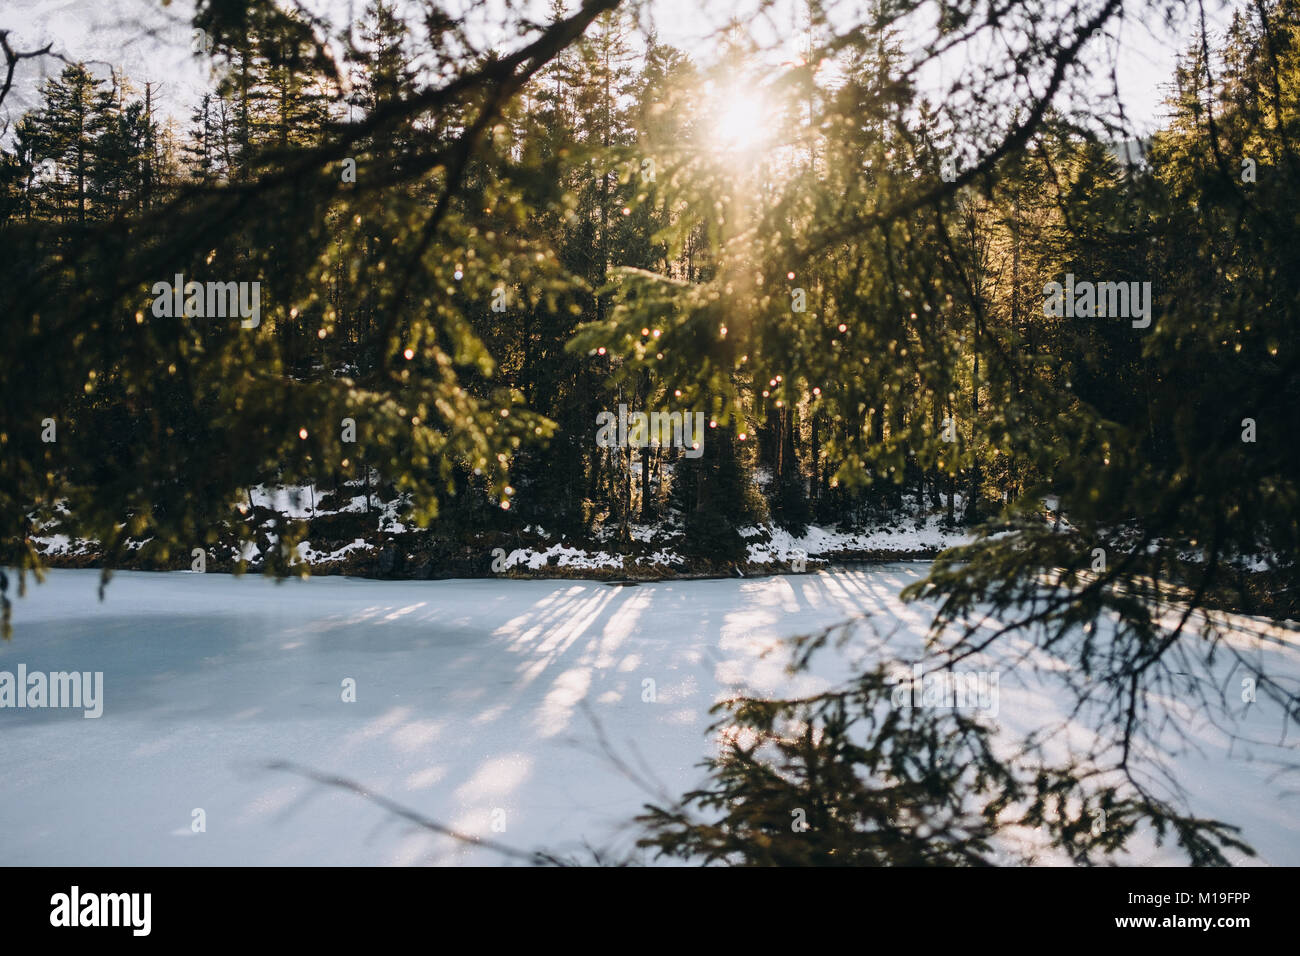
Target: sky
point(151, 42)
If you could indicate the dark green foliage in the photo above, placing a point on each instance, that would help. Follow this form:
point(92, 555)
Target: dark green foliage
point(873, 785)
point(715, 496)
point(849, 778)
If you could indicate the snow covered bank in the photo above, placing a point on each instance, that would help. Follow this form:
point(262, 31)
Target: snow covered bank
point(345, 533)
point(477, 703)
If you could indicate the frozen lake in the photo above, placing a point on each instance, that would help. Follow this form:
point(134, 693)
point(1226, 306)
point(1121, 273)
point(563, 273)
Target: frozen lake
point(476, 702)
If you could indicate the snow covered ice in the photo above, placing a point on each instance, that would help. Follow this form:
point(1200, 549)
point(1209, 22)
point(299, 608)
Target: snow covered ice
point(476, 702)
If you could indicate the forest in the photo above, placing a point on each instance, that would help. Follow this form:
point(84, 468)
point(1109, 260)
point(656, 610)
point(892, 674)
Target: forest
point(476, 290)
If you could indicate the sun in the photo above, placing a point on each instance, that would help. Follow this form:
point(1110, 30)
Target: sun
point(741, 120)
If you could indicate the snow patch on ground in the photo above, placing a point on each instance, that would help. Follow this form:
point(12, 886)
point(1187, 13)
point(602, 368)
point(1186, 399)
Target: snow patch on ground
point(305, 553)
point(783, 547)
point(558, 555)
